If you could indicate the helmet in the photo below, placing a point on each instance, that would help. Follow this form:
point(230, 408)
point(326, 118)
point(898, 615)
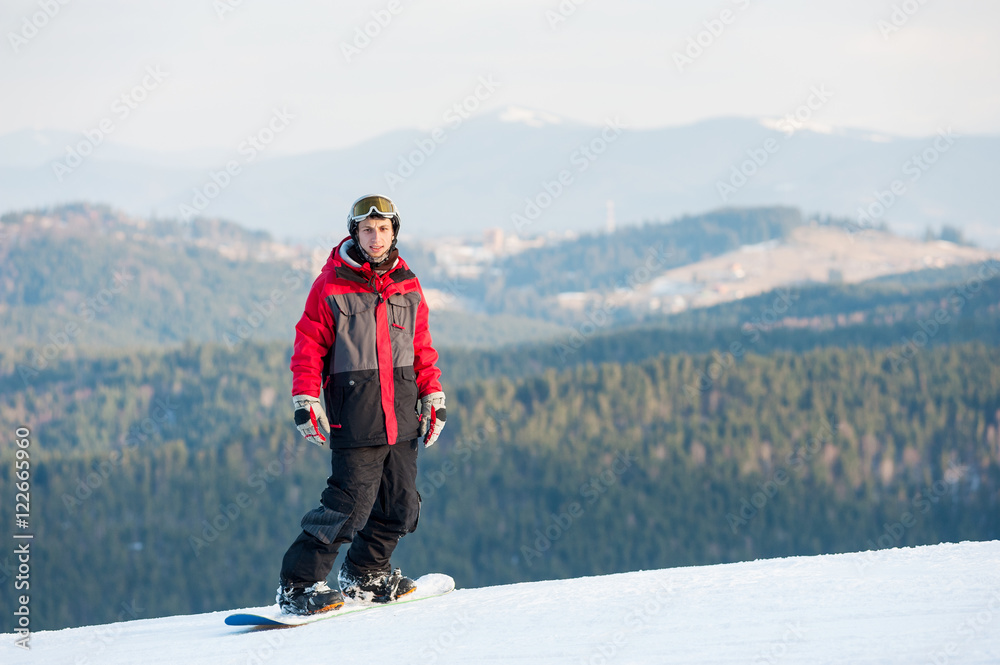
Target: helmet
point(372, 205)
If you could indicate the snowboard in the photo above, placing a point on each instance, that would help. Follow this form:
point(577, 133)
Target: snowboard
point(428, 586)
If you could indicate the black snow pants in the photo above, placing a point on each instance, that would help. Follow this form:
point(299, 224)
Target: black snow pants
point(370, 501)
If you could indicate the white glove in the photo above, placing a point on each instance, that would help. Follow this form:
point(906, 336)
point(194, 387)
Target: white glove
point(432, 414)
point(310, 417)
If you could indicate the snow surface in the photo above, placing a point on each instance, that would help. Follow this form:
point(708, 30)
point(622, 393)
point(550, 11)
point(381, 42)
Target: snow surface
point(938, 604)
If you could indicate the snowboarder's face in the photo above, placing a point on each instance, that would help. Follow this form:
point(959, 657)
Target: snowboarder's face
point(375, 234)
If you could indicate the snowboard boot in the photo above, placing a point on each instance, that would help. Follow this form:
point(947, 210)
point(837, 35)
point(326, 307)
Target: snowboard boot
point(305, 600)
point(374, 586)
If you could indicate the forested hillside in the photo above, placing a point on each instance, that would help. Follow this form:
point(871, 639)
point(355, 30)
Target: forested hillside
point(593, 469)
point(146, 397)
point(956, 306)
point(87, 275)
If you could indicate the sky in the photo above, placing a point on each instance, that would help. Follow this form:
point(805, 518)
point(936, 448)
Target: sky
point(205, 73)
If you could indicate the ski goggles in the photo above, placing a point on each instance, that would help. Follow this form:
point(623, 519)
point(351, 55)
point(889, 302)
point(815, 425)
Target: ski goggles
point(367, 206)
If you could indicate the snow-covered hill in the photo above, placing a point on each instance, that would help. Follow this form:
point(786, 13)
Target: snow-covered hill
point(937, 604)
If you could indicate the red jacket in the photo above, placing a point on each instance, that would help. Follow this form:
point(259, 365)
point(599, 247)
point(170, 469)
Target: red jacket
point(363, 340)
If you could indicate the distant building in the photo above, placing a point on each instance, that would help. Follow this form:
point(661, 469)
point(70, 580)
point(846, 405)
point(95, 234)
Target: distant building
point(493, 240)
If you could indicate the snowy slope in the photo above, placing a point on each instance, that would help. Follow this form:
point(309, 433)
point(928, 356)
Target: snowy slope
point(938, 604)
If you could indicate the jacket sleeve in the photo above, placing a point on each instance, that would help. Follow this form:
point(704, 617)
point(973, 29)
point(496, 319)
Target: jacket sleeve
point(424, 356)
point(313, 338)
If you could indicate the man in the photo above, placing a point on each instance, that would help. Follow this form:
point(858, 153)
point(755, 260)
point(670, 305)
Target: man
point(365, 371)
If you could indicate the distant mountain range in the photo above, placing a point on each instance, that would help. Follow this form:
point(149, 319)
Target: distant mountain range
point(526, 173)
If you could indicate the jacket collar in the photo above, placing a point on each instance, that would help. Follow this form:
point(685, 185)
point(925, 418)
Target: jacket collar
point(341, 253)
point(342, 266)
